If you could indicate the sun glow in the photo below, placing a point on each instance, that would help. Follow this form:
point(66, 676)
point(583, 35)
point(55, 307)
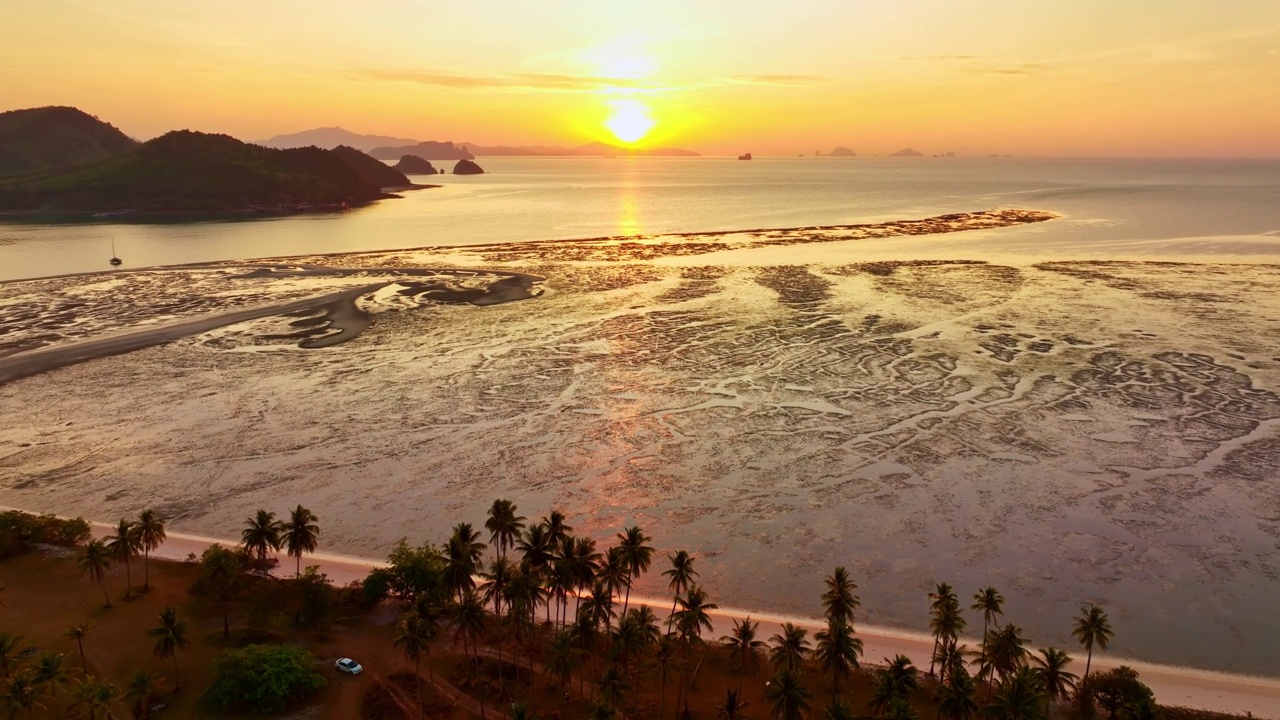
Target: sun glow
point(629, 121)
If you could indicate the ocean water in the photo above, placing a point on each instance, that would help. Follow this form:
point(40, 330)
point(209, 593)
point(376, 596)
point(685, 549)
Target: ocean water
point(1149, 209)
point(1067, 430)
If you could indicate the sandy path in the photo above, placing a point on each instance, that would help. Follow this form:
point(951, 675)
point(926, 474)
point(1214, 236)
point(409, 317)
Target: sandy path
point(1188, 687)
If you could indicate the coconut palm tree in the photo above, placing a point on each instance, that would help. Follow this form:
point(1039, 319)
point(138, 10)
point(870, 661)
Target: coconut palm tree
point(637, 553)
point(790, 648)
point(125, 545)
point(787, 696)
point(989, 602)
point(838, 710)
point(838, 650)
point(20, 693)
point(143, 688)
point(1005, 651)
point(557, 528)
point(1019, 698)
point(414, 635)
point(628, 639)
point(300, 534)
point(744, 649)
point(894, 684)
point(1051, 668)
point(95, 696)
point(693, 617)
point(732, 707)
point(612, 685)
point(11, 648)
point(496, 580)
point(1092, 628)
point(955, 698)
point(462, 558)
point(946, 623)
point(94, 560)
point(536, 557)
point(614, 574)
point(79, 632)
point(504, 526)
point(664, 654)
point(48, 673)
point(839, 601)
point(563, 657)
point(261, 533)
point(679, 578)
point(171, 638)
point(151, 535)
point(469, 620)
point(951, 659)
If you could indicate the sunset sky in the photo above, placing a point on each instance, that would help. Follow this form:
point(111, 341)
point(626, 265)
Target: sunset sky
point(1031, 77)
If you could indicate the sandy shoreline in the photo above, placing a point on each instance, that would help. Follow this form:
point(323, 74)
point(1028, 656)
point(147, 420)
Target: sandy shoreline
point(1180, 686)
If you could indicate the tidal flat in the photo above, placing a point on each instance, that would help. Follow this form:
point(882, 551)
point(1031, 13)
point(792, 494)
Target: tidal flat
point(1082, 431)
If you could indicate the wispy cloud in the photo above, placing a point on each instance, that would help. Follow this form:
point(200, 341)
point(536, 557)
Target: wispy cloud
point(504, 81)
point(1014, 69)
point(779, 79)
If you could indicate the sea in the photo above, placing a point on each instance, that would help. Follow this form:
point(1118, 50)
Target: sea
point(1225, 210)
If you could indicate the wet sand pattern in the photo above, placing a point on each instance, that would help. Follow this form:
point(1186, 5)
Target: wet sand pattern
point(1075, 431)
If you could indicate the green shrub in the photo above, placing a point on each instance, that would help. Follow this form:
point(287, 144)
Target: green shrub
point(262, 679)
point(18, 530)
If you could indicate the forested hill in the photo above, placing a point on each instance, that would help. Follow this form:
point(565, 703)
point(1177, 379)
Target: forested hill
point(47, 139)
point(187, 171)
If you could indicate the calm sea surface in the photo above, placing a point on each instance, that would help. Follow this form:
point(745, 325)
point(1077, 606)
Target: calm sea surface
point(1161, 209)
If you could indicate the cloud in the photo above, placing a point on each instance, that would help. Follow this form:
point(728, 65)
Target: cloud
point(779, 79)
point(1015, 69)
point(504, 81)
point(939, 58)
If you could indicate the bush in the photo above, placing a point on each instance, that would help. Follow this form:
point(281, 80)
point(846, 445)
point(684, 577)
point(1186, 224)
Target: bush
point(262, 679)
point(18, 530)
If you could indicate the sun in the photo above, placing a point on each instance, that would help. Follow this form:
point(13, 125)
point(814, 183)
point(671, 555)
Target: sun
point(629, 120)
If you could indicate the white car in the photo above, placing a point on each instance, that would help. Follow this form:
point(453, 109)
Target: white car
point(347, 665)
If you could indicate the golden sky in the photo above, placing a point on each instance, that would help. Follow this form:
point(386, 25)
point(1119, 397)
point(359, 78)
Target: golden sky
point(1026, 77)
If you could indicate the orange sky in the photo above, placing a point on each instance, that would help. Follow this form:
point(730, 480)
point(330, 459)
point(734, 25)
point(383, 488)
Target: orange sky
point(1041, 77)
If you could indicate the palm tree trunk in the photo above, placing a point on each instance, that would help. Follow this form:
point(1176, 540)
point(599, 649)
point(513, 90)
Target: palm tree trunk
point(671, 618)
point(176, 684)
point(662, 708)
point(83, 663)
point(108, 597)
point(146, 569)
point(297, 572)
point(626, 599)
point(417, 677)
point(128, 578)
point(1088, 662)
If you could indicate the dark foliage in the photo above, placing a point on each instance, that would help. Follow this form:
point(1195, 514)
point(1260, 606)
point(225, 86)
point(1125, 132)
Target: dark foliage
point(262, 679)
point(18, 530)
point(41, 140)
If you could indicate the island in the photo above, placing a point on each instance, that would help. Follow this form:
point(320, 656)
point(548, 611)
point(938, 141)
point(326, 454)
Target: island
point(908, 152)
point(414, 165)
point(842, 151)
point(467, 167)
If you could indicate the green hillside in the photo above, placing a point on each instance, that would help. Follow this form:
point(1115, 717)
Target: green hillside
point(188, 171)
point(47, 139)
point(372, 169)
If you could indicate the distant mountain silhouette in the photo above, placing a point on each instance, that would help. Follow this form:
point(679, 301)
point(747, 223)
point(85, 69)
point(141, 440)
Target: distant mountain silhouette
point(186, 171)
point(429, 150)
point(842, 151)
point(907, 152)
point(332, 137)
point(48, 139)
point(373, 170)
point(467, 167)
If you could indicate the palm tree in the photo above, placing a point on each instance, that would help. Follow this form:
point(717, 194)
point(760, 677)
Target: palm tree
point(1005, 651)
point(839, 601)
point(955, 697)
point(628, 639)
point(462, 557)
point(1019, 698)
point(10, 648)
point(744, 648)
point(261, 533)
point(300, 535)
point(694, 617)
point(48, 674)
point(536, 557)
point(221, 573)
point(838, 650)
point(732, 707)
point(504, 526)
point(637, 554)
point(171, 639)
point(469, 620)
point(679, 578)
point(989, 601)
point(95, 560)
point(21, 693)
point(1054, 677)
point(895, 683)
point(151, 536)
point(557, 529)
point(143, 688)
point(612, 686)
point(664, 654)
point(415, 635)
point(95, 696)
point(838, 710)
point(564, 656)
point(1092, 628)
point(496, 580)
point(125, 545)
point(789, 648)
point(951, 659)
point(79, 632)
point(613, 574)
point(946, 624)
point(789, 698)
